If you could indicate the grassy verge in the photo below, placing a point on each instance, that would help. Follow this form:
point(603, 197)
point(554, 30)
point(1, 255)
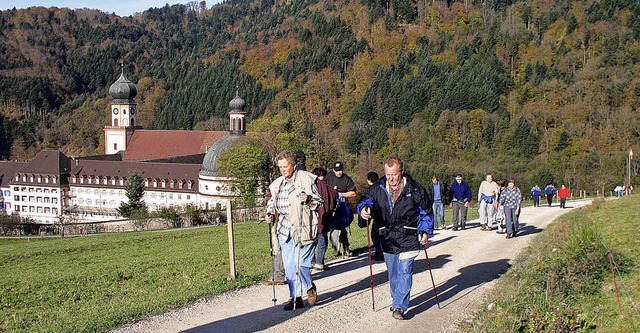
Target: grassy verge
point(563, 281)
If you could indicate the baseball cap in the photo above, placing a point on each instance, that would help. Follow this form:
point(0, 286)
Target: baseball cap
point(459, 176)
point(338, 166)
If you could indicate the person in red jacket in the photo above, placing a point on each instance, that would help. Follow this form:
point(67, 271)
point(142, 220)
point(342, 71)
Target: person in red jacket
point(563, 194)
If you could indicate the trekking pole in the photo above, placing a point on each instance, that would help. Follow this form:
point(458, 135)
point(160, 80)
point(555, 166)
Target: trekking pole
point(273, 258)
point(299, 246)
point(430, 272)
point(373, 300)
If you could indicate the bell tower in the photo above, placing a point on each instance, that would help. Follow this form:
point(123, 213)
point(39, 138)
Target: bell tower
point(123, 115)
point(237, 122)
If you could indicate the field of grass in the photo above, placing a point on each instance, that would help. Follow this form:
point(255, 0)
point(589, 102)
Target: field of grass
point(563, 282)
point(96, 283)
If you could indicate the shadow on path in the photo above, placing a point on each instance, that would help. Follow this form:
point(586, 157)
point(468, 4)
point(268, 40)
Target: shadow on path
point(455, 288)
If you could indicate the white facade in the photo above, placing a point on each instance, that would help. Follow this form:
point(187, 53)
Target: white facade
point(38, 201)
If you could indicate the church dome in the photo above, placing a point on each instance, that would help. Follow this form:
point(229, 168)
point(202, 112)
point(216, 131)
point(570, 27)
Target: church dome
point(237, 104)
point(123, 90)
point(210, 162)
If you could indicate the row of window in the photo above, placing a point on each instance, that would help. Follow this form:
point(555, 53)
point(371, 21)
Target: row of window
point(38, 179)
point(17, 198)
point(32, 189)
point(120, 181)
point(32, 209)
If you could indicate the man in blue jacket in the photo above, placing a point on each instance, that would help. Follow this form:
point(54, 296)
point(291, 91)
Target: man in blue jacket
point(460, 202)
point(402, 209)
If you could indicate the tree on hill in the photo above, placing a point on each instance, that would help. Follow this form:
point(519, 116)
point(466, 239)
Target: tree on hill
point(134, 191)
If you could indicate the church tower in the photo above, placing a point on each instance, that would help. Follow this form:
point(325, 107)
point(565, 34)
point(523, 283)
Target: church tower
point(123, 115)
point(237, 123)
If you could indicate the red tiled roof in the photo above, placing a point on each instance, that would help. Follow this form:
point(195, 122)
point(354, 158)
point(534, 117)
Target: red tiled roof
point(158, 144)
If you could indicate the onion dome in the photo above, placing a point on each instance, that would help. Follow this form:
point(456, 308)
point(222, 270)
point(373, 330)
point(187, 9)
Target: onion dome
point(123, 91)
point(237, 104)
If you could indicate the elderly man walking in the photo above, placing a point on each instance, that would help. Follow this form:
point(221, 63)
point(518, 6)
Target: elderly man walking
point(404, 219)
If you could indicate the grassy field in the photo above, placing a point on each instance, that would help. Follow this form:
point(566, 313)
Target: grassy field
point(96, 283)
point(564, 283)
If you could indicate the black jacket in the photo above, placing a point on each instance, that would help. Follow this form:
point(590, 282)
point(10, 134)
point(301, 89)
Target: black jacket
point(398, 226)
point(445, 194)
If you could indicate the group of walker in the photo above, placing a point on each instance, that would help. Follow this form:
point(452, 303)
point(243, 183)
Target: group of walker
point(396, 209)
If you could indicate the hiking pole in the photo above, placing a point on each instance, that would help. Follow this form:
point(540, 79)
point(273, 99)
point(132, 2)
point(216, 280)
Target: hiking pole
point(430, 272)
point(298, 279)
point(373, 300)
point(273, 258)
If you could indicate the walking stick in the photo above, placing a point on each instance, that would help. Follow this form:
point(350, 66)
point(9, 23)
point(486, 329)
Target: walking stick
point(273, 256)
point(298, 279)
point(373, 300)
point(430, 272)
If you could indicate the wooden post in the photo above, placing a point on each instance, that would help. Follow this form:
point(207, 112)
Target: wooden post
point(232, 252)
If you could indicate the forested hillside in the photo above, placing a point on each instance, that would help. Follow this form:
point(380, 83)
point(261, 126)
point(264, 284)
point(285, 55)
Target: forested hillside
point(538, 90)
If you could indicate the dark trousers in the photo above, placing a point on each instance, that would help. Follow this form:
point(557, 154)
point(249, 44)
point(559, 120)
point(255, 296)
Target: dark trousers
point(459, 214)
point(549, 199)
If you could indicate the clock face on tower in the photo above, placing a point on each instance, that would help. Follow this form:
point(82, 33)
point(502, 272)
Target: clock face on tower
point(133, 110)
point(115, 110)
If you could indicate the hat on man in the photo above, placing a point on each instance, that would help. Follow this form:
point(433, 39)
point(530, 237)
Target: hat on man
point(458, 176)
point(338, 166)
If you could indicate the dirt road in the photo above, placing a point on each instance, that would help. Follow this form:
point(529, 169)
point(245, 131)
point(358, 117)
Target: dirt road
point(465, 265)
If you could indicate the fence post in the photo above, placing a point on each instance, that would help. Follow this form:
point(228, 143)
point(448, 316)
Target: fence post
point(232, 252)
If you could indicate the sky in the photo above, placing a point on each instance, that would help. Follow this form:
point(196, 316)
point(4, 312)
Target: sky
point(120, 7)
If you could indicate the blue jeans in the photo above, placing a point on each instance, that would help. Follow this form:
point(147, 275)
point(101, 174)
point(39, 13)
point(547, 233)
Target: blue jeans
point(438, 212)
point(322, 244)
point(290, 255)
point(400, 279)
point(511, 220)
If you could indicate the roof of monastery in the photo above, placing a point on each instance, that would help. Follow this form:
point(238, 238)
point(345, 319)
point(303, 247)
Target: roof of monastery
point(161, 144)
point(7, 170)
point(159, 171)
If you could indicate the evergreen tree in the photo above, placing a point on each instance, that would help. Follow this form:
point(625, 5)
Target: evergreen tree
point(134, 190)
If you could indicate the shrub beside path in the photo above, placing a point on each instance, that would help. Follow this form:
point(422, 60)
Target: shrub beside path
point(465, 265)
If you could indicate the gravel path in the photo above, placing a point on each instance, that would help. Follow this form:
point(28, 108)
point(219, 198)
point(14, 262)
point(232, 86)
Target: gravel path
point(465, 265)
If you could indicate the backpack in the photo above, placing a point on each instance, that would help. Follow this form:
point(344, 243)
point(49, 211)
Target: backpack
point(343, 216)
point(329, 197)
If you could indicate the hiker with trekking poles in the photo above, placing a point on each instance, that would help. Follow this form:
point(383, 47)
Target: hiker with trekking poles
point(403, 213)
point(293, 208)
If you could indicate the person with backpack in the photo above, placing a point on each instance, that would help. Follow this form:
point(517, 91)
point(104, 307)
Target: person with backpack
point(403, 213)
point(460, 202)
point(325, 214)
point(293, 208)
point(346, 189)
point(511, 198)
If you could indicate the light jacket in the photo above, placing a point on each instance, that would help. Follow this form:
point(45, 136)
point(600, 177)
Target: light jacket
point(303, 218)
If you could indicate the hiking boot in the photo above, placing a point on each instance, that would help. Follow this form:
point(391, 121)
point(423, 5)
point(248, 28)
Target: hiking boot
point(509, 236)
point(483, 227)
point(312, 295)
point(455, 229)
point(318, 267)
point(397, 314)
point(348, 253)
point(297, 303)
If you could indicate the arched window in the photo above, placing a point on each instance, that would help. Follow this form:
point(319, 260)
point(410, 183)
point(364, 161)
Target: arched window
point(133, 122)
point(115, 146)
point(115, 122)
